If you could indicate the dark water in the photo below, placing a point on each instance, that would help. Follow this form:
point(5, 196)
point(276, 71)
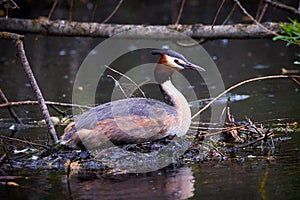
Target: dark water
point(55, 61)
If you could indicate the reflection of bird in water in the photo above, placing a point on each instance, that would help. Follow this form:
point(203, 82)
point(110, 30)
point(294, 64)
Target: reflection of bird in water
point(136, 120)
point(164, 184)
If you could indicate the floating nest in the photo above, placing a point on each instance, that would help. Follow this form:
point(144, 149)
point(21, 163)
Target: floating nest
point(204, 143)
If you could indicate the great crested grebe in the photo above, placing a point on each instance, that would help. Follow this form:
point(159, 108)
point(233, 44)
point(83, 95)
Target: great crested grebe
point(137, 120)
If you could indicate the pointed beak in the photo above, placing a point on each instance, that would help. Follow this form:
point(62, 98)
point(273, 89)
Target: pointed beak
point(194, 67)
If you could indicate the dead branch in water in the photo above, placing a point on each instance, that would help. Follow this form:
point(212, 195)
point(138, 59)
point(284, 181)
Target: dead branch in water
point(17, 39)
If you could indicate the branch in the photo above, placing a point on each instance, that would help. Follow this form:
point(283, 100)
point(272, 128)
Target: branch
point(21, 54)
point(242, 83)
point(113, 12)
point(84, 29)
point(19, 103)
point(180, 12)
point(254, 20)
point(10, 110)
point(283, 6)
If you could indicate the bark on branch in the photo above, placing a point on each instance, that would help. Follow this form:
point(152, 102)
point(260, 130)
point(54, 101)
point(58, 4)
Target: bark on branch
point(83, 29)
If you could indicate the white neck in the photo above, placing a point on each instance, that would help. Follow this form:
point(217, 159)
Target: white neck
point(183, 117)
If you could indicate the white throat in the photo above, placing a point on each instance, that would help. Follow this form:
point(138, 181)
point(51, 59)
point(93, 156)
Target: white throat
point(182, 108)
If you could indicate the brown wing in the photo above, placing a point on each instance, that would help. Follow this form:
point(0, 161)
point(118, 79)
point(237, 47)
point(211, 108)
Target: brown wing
point(124, 130)
point(143, 120)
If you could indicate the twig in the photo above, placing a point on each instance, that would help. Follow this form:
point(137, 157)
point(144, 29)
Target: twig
point(239, 84)
point(7, 157)
point(259, 9)
point(52, 10)
point(262, 12)
point(180, 12)
point(63, 113)
point(9, 4)
point(94, 11)
point(254, 20)
point(214, 148)
point(10, 110)
point(23, 141)
point(21, 54)
point(230, 14)
point(255, 141)
point(283, 6)
point(2, 159)
point(217, 14)
point(128, 79)
point(233, 132)
point(113, 12)
point(71, 10)
point(296, 81)
point(19, 103)
point(118, 84)
point(226, 130)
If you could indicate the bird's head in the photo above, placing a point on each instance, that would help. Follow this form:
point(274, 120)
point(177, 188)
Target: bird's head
point(175, 60)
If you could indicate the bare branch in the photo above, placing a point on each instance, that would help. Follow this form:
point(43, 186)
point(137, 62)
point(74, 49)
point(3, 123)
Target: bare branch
point(283, 6)
point(252, 18)
point(230, 14)
point(23, 141)
point(52, 9)
point(242, 83)
point(10, 110)
point(128, 78)
point(66, 28)
point(113, 12)
point(71, 10)
point(259, 8)
point(180, 12)
point(217, 14)
point(19, 103)
point(21, 54)
point(262, 12)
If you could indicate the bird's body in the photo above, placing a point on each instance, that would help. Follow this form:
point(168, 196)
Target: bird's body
point(136, 120)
